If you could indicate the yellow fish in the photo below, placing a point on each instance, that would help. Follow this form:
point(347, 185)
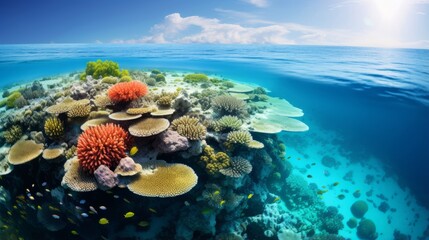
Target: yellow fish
point(336, 184)
point(276, 199)
point(74, 232)
point(39, 207)
point(222, 202)
point(217, 192)
point(103, 221)
point(153, 210)
point(250, 196)
point(143, 224)
point(129, 215)
point(133, 151)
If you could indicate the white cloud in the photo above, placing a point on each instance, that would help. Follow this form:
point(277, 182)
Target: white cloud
point(258, 3)
point(421, 13)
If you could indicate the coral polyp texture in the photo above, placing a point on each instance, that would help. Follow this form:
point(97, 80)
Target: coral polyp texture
point(54, 128)
point(238, 168)
point(228, 105)
point(13, 134)
point(101, 145)
point(190, 128)
point(127, 91)
point(24, 151)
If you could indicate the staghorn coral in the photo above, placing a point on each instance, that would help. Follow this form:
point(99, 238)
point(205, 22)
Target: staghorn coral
point(243, 138)
point(101, 145)
point(192, 132)
point(76, 179)
point(185, 120)
point(13, 134)
point(160, 179)
point(213, 162)
point(238, 168)
point(228, 105)
point(24, 151)
point(127, 91)
point(54, 128)
point(79, 111)
point(227, 124)
point(164, 101)
point(149, 127)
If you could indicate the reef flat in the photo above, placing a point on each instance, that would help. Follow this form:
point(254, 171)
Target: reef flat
point(120, 154)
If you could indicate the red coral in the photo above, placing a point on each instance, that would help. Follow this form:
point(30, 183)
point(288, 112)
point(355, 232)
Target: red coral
point(104, 144)
point(127, 91)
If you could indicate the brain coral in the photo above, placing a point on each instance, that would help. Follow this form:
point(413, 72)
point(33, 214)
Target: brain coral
point(127, 91)
point(101, 145)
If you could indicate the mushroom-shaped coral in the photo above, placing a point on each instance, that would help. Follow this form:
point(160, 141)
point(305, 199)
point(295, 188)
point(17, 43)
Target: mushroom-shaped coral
point(54, 128)
point(159, 179)
point(24, 151)
point(127, 167)
point(52, 152)
point(228, 105)
point(101, 145)
point(13, 134)
point(127, 91)
point(141, 110)
point(238, 168)
point(149, 127)
point(123, 116)
point(76, 179)
point(94, 122)
point(62, 107)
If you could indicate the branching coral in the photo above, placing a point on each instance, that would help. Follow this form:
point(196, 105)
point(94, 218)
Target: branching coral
point(101, 145)
point(79, 111)
point(212, 161)
point(196, 78)
point(227, 124)
point(189, 127)
point(54, 128)
point(127, 91)
point(103, 69)
point(229, 105)
point(238, 168)
point(240, 138)
point(185, 120)
point(13, 134)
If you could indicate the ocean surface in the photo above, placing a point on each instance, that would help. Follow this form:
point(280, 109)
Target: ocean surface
point(376, 101)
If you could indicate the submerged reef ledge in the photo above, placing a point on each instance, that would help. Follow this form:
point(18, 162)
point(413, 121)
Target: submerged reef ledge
point(152, 155)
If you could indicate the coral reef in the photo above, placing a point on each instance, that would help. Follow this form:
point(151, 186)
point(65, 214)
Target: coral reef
point(366, 229)
point(189, 127)
point(229, 105)
point(75, 179)
point(13, 134)
point(214, 162)
point(149, 127)
point(127, 91)
point(238, 167)
point(101, 145)
point(359, 208)
point(24, 151)
point(103, 69)
point(127, 167)
point(227, 124)
point(54, 128)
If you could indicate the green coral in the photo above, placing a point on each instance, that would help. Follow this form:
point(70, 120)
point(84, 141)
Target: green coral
point(227, 124)
point(125, 79)
point(13, 134)
point(160, 78)
point(359, 208)
point(213, 162)
point(9, 102)
point(366, 229)
point(196, 78)
point(103, 69)
point(54, 128)
point(109, 80)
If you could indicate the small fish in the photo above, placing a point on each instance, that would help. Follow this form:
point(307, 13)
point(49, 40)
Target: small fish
point(102, 208)
point(69, 194)
point(83, 201)
point(74, 232)
point(109, 192)
point(129, 215)
point(222, 202)
point(153, 210)
point(32, 185)
point(115, 196)
point(15, 207)
point(39, 194)
point(187, 203)
point(85, 215)
point(126, 200)
point(55, 216)
point(31, 198)
point(313, 164)
point(103, 221)
point(336, 184)
point(309, 176)
point(217, 192)
point(320, 192)
point(133, 151)
point(341, 196)
point(250, 196)
point(71, 221)
point(92, 209)
point(47, 190)
point(143, 224)
point(9, 213)
point(276, 199)
point(52, 208)
point(27, 190)
point(39, 207)
point(78, 208)
point(289, 157)
point(44, 184)
point(20, 197)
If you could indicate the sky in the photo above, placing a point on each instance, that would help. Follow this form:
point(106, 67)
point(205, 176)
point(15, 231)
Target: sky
point(374, 23)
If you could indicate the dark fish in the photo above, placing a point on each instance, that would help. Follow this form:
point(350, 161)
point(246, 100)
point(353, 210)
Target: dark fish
point(309, 176)
point(341, 196)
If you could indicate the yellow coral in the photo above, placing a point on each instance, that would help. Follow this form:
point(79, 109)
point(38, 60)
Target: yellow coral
point(189, 127)
point(13, 134)
point(76, 179)
point(79, 111)
point(54, 128)
point(164, 101)
point(24, 151)
point(214, 162)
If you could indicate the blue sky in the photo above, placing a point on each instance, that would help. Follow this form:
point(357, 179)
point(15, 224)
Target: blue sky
point(383, 23)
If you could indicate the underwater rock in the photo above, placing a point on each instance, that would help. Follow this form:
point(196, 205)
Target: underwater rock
point(106, 178)
point(84, 90)
point(195, 149)
point(170, 141)
point(182, 105)
point(37, 137)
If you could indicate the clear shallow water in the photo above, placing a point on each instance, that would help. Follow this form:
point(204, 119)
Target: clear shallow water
point(376, 99)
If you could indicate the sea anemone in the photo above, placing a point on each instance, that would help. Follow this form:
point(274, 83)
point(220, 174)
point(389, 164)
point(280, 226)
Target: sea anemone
point(101, 145)
point(127, 91)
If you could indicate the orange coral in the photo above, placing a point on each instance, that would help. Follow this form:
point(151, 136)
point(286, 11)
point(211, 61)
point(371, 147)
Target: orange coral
point(127, 91)
point(103, 144)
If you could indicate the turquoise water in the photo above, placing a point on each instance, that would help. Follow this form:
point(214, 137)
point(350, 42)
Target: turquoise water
point(362, 104)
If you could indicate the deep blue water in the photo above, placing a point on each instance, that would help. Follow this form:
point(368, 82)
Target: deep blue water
point(378, 99)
